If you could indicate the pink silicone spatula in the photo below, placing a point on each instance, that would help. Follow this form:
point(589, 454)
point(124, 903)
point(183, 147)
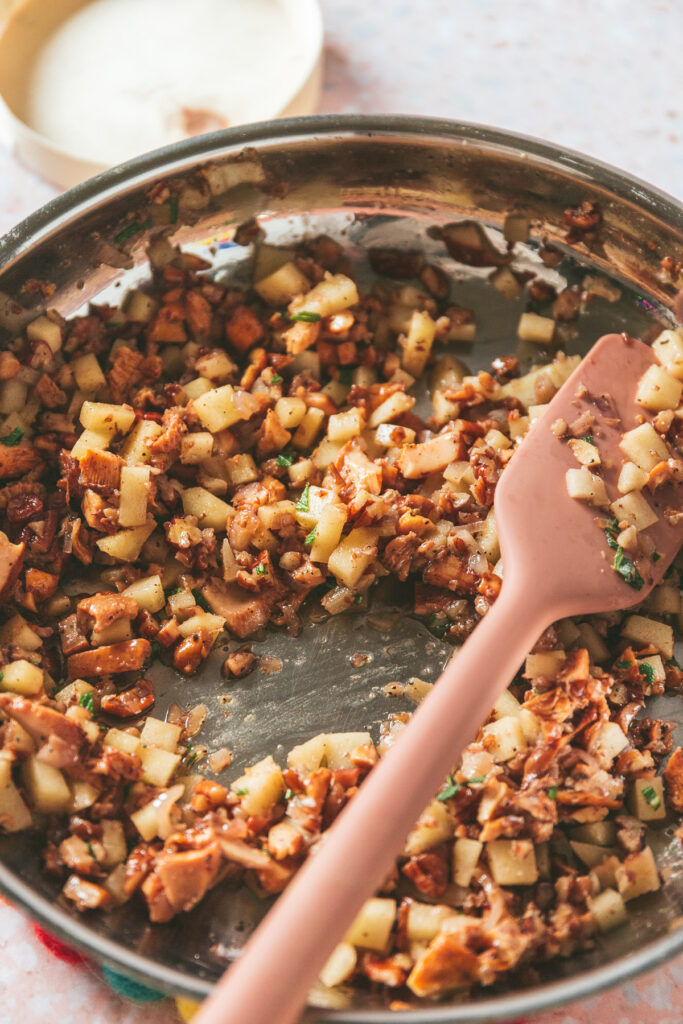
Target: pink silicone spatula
point(557, 563)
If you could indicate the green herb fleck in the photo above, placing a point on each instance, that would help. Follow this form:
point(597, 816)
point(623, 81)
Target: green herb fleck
point(86, 700)
point(346, 375)
point(552, 793)
point(261, 570)
point(126, 791)
point(289, 793)
point(449, 790)
point(310, 538)
point(285, 460)
point(13, 438)
point(201, 600)
point(476, 780)
point(648, 672)
point(357, 598)
point(612, 532)
point(276, 378)
point(437, 626)
point(302, 504)
point(191, 756)
point(626, 568)
point(173, 211)
point(90, 850)
point(241, 792)
point(156, 649)
point(130, 230)
point(305, 316)
point(650, 795)
point(589, 439)
point(171, 593)
point(2, 676)
point(623, 664)
point(656, 556)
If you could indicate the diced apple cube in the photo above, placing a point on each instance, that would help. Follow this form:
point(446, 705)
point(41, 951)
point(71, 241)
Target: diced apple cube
point(512, 861)
point(309, 755)
point(22, 677)
point(589, 854)
point(126, 545)
point(148, 593)
point(264, 785)
point(211, 511)
point(503, 739)
point(340, 965)
point(106, 418)
point(631, 478)
point(424, 921)
point(328, 531)
point(373, 925)
point(535, 328)
point(585, 452)
point(634, 510)
point(88, 373)
point(668, 347)
point(290, 412)
point(642, 632)
point(647, 800)
point(280, 287)
point(354, 555)
point(157, 765)
point(196, 448)
point(644, 446)
point(434, 826)
point(417, 342)
point(164, 735)
point(46, 786)
point(120, 740)
point(465, 856)
point(544, 665)
point(608, 909)
point(216, 409)
point(391, 408)
point(637, 874)
point(586, 486)
point(658, 390)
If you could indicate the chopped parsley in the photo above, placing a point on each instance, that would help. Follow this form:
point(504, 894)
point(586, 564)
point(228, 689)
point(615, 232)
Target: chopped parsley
point(200, 600)
point(303, 503)
point(285, 460)
point(449, 790)
point(261, 570)
point(622, 564)
point(173, 211)
point(345, 375)
point(648, 672)
point(656, 556)
point(276, 378)
point(626, 568)
point(310, 538)
point(126, 791)
point(86, 700)
point(437, 626)
point(13, 438)
point(650, 795)
point(156, 649)
point(289, 793)
point(476, 780)
point(2, 676)
point(305, 316)
point(589, 439)
point(130, 230)
point(552, 793)
point(171, 593)
point(191, 756)
point(90, 850)
point(357, 598)
point(241, 792)
point(623, 664)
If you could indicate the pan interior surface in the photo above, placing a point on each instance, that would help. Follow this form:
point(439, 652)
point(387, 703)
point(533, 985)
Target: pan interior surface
point(368, 185)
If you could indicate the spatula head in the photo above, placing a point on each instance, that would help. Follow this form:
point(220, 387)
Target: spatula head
point(555, 543)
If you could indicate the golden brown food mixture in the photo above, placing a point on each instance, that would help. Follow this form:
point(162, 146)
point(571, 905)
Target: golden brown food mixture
point(206, 459)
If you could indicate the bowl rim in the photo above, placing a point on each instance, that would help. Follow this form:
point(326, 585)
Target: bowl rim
point(57, 213)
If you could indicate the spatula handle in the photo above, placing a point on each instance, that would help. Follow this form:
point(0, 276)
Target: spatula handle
point(269, 983)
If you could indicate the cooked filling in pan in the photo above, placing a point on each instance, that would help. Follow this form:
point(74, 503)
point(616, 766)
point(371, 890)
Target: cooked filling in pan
point(206, 460)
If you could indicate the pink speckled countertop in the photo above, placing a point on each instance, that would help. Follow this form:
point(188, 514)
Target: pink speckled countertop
point(609, 85)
